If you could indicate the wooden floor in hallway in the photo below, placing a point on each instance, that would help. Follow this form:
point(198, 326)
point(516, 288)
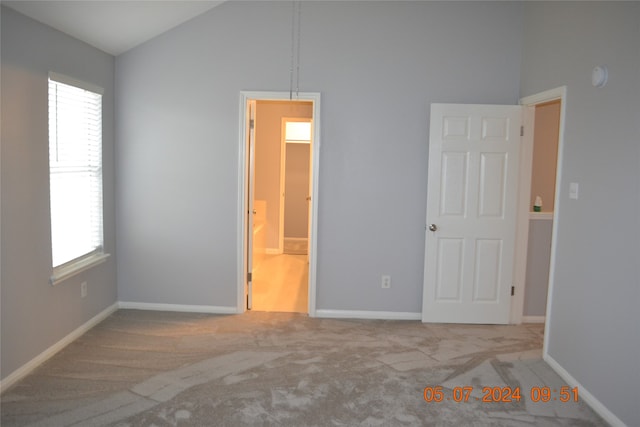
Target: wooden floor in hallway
point(280, 283)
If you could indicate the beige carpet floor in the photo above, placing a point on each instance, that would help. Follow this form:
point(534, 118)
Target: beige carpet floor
point(142, 368)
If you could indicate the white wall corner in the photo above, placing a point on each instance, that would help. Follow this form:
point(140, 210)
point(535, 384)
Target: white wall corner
point(585, 395)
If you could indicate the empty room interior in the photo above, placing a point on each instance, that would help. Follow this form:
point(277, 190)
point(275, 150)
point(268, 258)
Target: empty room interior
point(320, 213)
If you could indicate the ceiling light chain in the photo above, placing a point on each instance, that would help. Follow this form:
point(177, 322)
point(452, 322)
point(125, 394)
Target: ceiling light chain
point(298, 53)
point(296, 13)
point(293, 32)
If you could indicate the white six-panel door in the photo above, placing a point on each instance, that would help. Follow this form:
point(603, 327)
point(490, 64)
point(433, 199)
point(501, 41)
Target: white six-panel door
point(471, 213)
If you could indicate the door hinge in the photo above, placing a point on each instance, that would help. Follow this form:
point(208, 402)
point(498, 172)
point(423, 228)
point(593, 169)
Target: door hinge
point(249, 277)
point(252, 123)
point(513, 290)
point(521, 130)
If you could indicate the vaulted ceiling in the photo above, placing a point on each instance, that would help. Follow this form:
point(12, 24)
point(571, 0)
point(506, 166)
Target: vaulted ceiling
point(111, 25)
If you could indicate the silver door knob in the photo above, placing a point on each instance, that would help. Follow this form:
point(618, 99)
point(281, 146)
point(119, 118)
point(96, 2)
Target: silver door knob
point(433, 227)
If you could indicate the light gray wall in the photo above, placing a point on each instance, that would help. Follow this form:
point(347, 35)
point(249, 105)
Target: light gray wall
point(537, 279)
point(36, 315)
point(378, 66)
point(593, 329)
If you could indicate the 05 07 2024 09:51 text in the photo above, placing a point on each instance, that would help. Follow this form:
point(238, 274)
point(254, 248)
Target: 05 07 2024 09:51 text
point(500, 394)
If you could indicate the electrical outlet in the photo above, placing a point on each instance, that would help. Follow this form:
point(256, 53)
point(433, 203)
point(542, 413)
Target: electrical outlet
point(83, 290)
point(386, 282)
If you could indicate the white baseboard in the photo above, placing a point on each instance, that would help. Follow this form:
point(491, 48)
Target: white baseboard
point(358, 314)
point(213, 309)
point(584, 394)
point(28, 367)
point(533, 319)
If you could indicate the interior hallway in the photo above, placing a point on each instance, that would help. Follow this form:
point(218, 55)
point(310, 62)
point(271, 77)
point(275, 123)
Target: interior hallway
point(280, 283)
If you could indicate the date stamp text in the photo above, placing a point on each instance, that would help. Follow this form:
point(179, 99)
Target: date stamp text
point(434, 394)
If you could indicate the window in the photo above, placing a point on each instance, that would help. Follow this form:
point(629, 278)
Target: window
point(298, 131)
point(75, 171)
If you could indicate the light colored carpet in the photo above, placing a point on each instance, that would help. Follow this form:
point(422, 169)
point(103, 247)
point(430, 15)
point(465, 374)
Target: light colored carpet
point(142, 368)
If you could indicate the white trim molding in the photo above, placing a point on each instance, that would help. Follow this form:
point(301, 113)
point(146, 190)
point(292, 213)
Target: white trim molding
point(585, 395)
point(370, 315)
point(296, 239)
point(212, 309)
point(62, 273)
point(28, 367)
point(67, 80)
point(533, 319)
point(245, 96)
point(541, 215)
point(522, 218)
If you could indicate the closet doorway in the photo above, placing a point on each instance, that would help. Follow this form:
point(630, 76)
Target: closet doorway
point(280, 174)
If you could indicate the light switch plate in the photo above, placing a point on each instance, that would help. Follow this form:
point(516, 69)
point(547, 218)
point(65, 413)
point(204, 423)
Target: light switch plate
point(573, 190)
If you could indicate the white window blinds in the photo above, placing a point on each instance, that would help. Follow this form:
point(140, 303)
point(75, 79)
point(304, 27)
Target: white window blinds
point(75, 167)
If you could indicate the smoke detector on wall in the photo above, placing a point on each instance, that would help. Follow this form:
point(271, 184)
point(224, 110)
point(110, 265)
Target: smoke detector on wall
point(599, 76)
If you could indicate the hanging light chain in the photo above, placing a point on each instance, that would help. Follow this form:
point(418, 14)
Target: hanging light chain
point(296, 14)
point(298, 53)
point(293, 36)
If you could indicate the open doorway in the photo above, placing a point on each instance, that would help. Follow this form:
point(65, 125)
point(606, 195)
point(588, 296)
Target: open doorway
point(281, 198)
point(540, 191)
point(543, 182)
point(278, 209)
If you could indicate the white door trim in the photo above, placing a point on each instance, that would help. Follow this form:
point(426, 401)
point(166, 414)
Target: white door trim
point(251, 184)
point(559, 93)
point(314, 97)
point(283, 177)
point(522, 220)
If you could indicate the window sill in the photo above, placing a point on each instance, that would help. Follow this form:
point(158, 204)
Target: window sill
point(66, 271)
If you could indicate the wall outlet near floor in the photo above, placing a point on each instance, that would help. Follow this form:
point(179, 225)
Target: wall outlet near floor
point(83, 290)
point(386, 282)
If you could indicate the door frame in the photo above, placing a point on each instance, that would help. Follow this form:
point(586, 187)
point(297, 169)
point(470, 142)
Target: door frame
point(522, 238)
point(242, 231)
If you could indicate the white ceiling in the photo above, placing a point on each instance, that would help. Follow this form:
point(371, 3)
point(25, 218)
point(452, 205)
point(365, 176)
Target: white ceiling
point(113, 26)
